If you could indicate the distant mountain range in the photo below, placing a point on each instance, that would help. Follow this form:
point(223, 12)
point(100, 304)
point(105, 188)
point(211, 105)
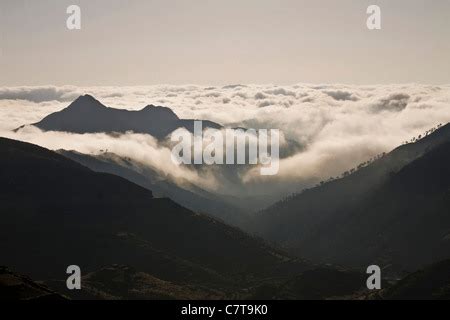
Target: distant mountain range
point(56, 212)
point(393, 212)
point(131, 245)
point(138, 235)
point(88, 115)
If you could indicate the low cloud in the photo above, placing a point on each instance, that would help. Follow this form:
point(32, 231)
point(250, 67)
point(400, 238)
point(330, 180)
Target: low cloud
point(341, 95)
point(266, 103)
point(394, 102)
point(39, 94)
point(142, 148)
point(260, 96)
point(329, 129)
point(280, 92)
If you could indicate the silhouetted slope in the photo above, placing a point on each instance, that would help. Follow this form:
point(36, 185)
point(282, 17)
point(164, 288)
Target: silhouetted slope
point(316, 284)
point(87, 115)
point(392, 211)
point(431, 283)
point(124, 282)
point(17, 287)
point(406, 221)
point(324, 283)
point(56, 213)
point(196, 199)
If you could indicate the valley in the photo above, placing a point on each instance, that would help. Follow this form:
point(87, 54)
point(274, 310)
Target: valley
point(140, 235)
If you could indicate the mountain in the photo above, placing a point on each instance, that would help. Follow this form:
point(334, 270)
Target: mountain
point(88, 115)
point(393, 212)
point(124, 282)
point(430, 283)
point(18, 287)
point(56, 212)
point(320, 283)
point(190, 196)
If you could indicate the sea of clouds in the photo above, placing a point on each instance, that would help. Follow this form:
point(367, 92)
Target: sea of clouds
point(327, 129)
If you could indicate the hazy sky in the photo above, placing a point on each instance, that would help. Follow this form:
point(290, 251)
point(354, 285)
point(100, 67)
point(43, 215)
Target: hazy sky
point(133, 42)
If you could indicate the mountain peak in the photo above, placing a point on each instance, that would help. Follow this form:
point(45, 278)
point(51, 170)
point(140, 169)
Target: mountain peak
point(86, 101)
point(88, 115)
point(87, 96)
point(163, 112)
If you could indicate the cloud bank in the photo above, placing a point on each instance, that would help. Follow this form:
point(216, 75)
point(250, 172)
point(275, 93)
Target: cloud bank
point(328, 128)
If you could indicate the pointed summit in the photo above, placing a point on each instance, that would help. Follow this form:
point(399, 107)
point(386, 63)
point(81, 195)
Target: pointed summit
point(87, 97)
point(86, 101)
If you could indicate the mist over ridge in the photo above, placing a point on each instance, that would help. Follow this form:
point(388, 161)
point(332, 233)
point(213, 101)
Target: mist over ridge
point(327, 129)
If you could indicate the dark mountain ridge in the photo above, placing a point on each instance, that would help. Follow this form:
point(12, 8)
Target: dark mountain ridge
point(14, 286)
point(56, 212)
point(88, 115)
point(191, 197)
point(363, 218)
point(430, 283)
